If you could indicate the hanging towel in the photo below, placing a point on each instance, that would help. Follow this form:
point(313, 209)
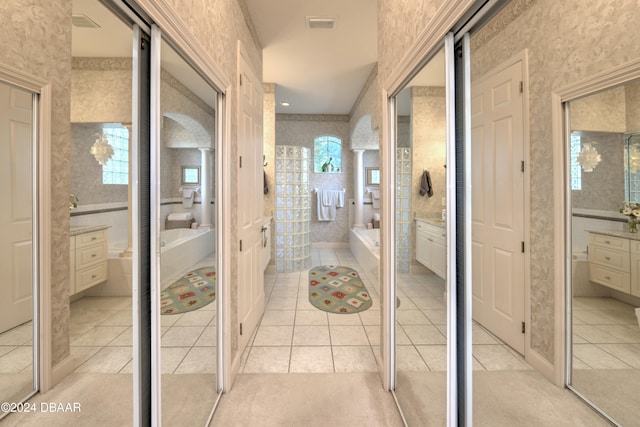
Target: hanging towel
point(187, 197)
point(340, 199)
point(425, 184)
point(326, 205)
point(375, 199)
point(265, 184)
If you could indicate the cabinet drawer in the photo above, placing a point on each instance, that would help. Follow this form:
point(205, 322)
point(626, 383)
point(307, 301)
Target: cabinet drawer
point(91, 276)
point(635, 246)
point(90, 255)
point(610, 258)
point(88, 239)
point(608, 242)
point(608, 277)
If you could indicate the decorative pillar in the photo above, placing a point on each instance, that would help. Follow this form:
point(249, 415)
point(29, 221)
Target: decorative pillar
point(205, 188)
point(128, 253)
point(358, 212)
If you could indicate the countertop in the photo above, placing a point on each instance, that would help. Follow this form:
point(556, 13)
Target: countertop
point(623, 234)
point(438, 222)
point(83, 229)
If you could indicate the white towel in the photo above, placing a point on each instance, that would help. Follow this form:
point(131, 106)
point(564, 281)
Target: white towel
point(179, 216)
point(326, 210)
point(340, 202)
point(187, 197)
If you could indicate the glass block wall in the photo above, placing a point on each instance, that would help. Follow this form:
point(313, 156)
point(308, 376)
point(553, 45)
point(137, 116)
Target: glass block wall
point(403, 210)
point(293, 208)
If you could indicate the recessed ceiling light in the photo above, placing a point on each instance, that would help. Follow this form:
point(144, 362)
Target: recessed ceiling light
point(285, 104)
point(320, 22)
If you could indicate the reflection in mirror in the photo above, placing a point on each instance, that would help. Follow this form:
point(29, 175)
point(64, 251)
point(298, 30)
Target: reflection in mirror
point(16, 246)
point(191, 175)
point(373, 176)
point(421, 344)
point(605, 263)
point(187, 236)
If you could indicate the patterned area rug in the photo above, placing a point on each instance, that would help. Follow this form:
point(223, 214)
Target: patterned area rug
point(337, 289)
point(193, 291)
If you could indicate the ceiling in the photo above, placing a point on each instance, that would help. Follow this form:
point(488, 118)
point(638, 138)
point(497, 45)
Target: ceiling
point(318, 71)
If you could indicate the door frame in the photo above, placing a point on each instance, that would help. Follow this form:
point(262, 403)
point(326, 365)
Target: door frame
point(44, 373)
point(607, 79)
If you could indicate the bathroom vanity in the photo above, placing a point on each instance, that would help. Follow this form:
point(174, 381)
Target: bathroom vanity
point(88, 257)
point(614, 260)
point(431, 245)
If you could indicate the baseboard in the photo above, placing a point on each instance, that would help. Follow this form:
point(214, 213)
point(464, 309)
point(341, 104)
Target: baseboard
point(542, 365)
point(61, 371)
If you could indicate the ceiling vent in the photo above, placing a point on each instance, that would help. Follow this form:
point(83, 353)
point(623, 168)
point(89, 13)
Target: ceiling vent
point(321, 22)
point(83, 21)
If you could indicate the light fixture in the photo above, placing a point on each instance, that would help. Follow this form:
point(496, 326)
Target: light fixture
point(101, 149)
point(285, 104)
point(589, 157)
point(320, 22)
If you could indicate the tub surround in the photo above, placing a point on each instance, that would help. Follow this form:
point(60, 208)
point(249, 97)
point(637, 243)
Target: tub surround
point(365, 247)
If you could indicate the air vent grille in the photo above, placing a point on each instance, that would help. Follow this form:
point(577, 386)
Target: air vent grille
point(83, 21)
point(321, 22)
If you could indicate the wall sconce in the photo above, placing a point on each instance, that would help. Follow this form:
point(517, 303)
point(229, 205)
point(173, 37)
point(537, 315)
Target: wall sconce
point(101, 149)
point(589, 157)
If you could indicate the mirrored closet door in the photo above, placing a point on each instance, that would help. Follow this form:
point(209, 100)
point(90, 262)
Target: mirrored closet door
point(188, 294)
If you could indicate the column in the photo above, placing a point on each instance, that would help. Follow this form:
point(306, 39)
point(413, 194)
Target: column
point(205, 188)
point(358, 212)
point(127, 253)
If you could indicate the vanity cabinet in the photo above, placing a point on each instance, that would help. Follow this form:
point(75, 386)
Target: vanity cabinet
point(88, 259)
point(614, 261)
point(431, 247)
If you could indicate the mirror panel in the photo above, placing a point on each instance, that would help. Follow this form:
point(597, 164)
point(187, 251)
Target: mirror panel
point(420, 259)
point(17, 353)
point(188, 299)
point(605, 262)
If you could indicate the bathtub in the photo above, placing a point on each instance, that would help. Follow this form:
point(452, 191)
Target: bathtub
point(365, 247)
point(181, 248)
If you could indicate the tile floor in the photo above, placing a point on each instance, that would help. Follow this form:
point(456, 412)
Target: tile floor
point(294, 336)
point(606, 334)
point(16, 352)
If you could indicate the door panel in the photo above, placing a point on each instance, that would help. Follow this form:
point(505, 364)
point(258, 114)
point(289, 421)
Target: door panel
point(16, 152)
point(498, 203)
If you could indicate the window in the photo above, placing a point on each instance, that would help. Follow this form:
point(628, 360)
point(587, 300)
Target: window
point(327, 154)
point(116, 170)
point(576, 171)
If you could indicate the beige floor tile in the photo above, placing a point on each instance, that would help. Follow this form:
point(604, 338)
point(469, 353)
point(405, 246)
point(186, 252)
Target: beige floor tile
point(17, 336)
point(594, 335)
point(99, 336)
point(435, 356)
point(412, 317)
point(348, 335)
point(124, 339)
point(351, 319)
point(181, 336)
point(199, 360)
point(285, 292)
point(120, 318)
point(408, 359)
point(304, 304)
point(278, 317)
point(82, 354)
point(437, 317)
point(423, 334)
point(195, 318)
point(171, 357)
point(626, 334)
point(497, 357)
point(373, 333)
point(313, 317)
point(170, 319)
point(481, 336)
point(426, 303)
point(268, 359)
point(597, 358)
point(273, 336)
point(208, 337)
point(628, 353)
point(109, 360)
point(579, 364)
point(311, 359)
point(406, 303)
point(370, 317)
point(354, 359)
point(4, 349)
point(282, 304)
point(311, 335)
point(16, 360)
point(90, 317)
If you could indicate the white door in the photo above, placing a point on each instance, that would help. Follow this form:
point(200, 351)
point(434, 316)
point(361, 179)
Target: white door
point(497, 141)
point(16, 183)
point(251, 298)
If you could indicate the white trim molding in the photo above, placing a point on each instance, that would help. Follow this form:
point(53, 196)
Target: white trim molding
point(613, 77)
point(48, 376)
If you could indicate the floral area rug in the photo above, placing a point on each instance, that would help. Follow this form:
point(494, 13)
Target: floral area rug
point(191, 292)
point(337, 289)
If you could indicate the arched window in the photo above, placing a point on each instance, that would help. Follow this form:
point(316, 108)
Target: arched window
point(327, 154)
